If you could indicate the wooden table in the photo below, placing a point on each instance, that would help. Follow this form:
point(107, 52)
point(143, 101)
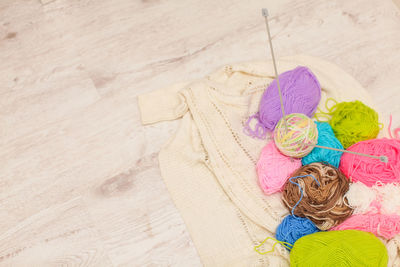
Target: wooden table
point(79, 176)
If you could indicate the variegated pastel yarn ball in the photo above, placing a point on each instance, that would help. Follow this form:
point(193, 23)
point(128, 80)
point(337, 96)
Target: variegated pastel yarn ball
point(299, 138)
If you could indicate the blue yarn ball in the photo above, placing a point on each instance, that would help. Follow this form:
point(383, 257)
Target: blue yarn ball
point(293, 228)
point(326, 137)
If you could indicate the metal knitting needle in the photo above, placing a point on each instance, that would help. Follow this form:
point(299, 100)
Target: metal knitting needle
point(381, 158)
point(265, 15)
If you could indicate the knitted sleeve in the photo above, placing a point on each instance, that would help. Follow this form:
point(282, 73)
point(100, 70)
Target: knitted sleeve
point(162, 105)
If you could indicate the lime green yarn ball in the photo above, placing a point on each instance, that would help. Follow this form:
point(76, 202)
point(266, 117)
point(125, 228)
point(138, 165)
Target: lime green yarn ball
point(299, 138)
point(353, 122)
point(339, 248)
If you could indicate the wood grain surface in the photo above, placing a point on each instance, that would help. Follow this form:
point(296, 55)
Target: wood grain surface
point(79, 177)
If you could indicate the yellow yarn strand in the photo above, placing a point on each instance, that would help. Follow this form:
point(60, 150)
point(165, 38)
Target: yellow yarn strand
point(285, 244)
point(323, 114)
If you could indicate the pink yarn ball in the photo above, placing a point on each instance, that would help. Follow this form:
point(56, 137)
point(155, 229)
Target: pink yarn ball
point(383, 225)
point(369, 170)
point(274, 168)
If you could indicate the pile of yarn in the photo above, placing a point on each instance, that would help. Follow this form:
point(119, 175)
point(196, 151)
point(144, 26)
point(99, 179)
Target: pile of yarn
point(301, 93)
point(293, 227)
point(339, 248)
point(323, 202)
point(383, 225)
point(369, 170)
point(295, 135)
point(327, 138)
point(376, 209)
point(273, 168)
point(383, 198)
point(333, 191)
point(353, 122)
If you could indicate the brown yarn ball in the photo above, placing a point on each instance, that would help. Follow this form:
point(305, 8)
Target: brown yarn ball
point(324, 205)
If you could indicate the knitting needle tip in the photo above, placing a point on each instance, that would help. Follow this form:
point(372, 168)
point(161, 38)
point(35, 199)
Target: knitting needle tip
point(265, 12)
point(384, 159)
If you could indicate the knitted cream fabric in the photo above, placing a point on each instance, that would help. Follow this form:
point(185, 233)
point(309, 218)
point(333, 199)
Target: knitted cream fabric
point(209, 165)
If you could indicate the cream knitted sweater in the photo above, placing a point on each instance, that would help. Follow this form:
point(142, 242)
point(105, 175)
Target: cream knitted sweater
point(209, 165)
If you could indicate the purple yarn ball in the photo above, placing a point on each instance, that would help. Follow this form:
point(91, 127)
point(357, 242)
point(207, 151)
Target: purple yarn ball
point(301, 93)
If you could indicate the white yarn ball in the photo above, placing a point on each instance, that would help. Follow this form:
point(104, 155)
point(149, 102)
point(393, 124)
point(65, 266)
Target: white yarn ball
point(389, 195)
point(359, 197)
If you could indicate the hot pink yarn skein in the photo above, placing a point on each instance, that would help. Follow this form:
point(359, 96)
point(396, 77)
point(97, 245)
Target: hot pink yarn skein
point(369, 170)
point(274, 168)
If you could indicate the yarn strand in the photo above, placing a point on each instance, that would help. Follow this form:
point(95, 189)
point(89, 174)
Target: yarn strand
point(293, 227)
point(285, 244)
point(260, 131)
point(395, 132)
point(325, 114)
point(323, 205)
point(301, 189)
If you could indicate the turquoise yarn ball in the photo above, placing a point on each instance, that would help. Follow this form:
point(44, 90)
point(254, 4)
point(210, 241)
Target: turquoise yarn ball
point(327, 138)
point(293, 228)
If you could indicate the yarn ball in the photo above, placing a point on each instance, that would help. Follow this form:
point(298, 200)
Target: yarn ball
point(353, 122)
point(327, 138)
point(299, 138)
point(389, 196)
point(384, 225)
point(370, 170)
point(339, 248)
point(293, 228)
point(301, 93)
point(273, 169)
point(323, 204)
point(380, 198)
point(360, 197)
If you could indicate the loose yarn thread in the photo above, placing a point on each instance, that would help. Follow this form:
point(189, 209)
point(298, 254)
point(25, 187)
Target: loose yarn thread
point(273, 169)
point(258, 132)
point(396, 131)
point(324, 205)
point(284, 244)
point(352, 122)
point(293, 227)
point(339, 248)
point(301, 93)
point(326, 138)
point(369, 170)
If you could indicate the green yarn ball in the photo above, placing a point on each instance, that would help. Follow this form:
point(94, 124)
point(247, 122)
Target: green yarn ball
point(339, 248)
point(353, 122)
